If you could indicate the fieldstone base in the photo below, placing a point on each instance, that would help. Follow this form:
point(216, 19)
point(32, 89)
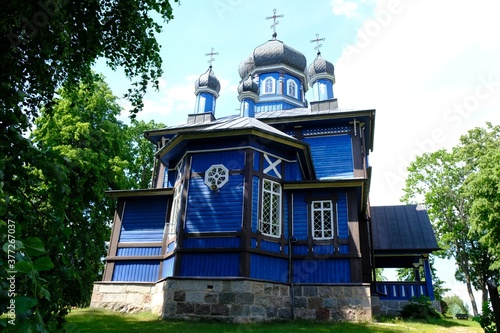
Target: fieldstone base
point(129, 297)
point(236, 300)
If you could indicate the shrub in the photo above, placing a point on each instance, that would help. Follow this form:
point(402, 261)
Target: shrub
point(419, 308)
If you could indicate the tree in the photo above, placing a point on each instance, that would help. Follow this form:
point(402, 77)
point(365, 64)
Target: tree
point(45, 45)
point(140, 169)
point(455, 305)
point(440, 179)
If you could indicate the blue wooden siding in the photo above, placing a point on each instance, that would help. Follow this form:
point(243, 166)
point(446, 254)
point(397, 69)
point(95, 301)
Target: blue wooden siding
point(300, 216)
point(256, 161)
point(168, 267)
point(215, 211)
point(332, 156)
point(268, 268)
point(321, 271)
point(342, 206)
point(144, 219)
point(255, 203)
point(285, 217)
point(136, 271)
point(210, 264)
point(344, 249)
point(171, 177)
point(327, 249)
point(270, 246)
point(300, 249)
point(292, 171)
point(138, 251)
point(402, 290)
point(232, 160)
point(273, 106)
point(213, 242)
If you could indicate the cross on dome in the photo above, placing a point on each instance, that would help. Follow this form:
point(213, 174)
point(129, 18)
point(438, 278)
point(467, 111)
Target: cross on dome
point(211, 54)
point(275, 22)
point(317, 40)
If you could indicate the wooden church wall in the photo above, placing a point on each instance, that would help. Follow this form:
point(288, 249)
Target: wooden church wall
point(223, 263)
point(332, 155)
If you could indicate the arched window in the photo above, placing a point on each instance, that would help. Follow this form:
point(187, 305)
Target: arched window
point(291, 88)
point(269, 84)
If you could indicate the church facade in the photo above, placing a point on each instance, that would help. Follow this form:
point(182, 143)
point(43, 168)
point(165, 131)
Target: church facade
point(265, 214)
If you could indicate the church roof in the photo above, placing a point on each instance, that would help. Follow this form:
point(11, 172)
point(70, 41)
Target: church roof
point(246, 122)
point(402, 229)
point(273, 53)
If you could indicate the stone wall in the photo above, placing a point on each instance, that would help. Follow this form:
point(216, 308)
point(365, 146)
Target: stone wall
point(236, 300)
point(129, 297)
point(393, 307)
point(244, 300)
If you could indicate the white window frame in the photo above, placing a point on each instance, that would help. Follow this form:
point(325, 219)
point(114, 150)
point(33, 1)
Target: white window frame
point(171, 226)
point(321, 228)
point(272, 86)
point(291, 84)
point(268, 225)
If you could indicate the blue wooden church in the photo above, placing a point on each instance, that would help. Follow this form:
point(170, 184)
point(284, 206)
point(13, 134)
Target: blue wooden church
point(264, 214)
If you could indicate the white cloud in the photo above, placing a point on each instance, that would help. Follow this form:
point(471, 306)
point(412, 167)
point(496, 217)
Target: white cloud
point(344, 7)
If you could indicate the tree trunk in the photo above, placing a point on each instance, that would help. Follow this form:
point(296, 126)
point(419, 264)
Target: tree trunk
point(495, 302)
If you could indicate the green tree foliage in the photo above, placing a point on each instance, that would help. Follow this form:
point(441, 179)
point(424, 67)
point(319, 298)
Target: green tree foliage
point(455, 305)
point(141, 153)
point(444, 181)
point(83, 130)
point(46, 45)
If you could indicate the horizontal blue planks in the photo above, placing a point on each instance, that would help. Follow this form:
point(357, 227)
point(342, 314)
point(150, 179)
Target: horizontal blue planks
point(332, 156)
point(323, 249)
point(344, 249)
point(300, 249)
point(210, 264)
point(232, 160)
point(268, 268)
point(321, 271)
point(168, 267)
point(212, 242)
point(136, 271)
point(270, 246)
point(293, 172)
point(144, 219)
point(215, 211)
point(138, 251)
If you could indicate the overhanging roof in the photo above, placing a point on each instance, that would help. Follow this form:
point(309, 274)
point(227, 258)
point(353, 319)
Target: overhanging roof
point(402, 229)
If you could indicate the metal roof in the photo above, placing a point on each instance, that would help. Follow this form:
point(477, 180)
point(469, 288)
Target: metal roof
point(246, 122)
point(402, 228)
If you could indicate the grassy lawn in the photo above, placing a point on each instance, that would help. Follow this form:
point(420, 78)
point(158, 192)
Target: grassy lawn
point(91, 320)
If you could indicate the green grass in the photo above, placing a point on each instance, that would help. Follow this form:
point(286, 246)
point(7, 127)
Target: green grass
point(92, 320)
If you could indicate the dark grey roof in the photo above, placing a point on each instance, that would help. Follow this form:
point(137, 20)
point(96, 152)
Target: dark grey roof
point(249, 85)
point(273, 52)
point(208, 80)
point(320, 66)
point(402, 228)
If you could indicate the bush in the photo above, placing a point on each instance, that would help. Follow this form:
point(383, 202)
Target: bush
point(486, 319)
point(419, 308)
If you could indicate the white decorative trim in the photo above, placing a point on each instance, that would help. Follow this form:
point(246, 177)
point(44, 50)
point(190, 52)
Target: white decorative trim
point(216, 176)
point(289, 92)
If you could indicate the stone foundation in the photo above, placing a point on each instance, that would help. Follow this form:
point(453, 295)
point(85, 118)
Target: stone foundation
point(129, 297)
point(393, 307)
point(236, 300)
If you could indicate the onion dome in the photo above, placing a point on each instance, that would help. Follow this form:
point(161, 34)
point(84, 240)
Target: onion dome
point(207, 82)
point(320, 68)
point(249, 85)
point(273, 53)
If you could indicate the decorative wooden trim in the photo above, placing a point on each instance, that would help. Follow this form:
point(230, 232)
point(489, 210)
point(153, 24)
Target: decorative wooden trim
point(140, 193)
point(115, 236)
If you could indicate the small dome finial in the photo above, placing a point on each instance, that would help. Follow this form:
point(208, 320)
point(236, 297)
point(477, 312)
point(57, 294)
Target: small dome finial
point(275, 22)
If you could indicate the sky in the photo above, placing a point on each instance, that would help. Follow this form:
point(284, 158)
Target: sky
point(431, 69)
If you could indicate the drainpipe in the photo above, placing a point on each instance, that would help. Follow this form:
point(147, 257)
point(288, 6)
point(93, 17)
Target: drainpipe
point(290, 274)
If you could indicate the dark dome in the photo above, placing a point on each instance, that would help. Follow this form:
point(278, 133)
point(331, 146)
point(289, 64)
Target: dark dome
point(249, 85)
point(208, 80)
point(320, 66)
point(273, 52)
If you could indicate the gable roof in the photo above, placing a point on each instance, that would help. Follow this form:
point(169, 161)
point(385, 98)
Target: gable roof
point(246, 122)
point(404, 229)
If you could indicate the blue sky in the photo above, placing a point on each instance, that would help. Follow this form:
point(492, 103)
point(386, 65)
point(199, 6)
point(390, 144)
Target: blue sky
point(431, 69)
